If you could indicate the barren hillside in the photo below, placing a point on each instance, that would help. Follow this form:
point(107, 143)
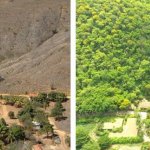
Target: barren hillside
point(34, 45)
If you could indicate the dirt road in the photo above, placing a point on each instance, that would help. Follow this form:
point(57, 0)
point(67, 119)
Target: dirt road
point(62, 135)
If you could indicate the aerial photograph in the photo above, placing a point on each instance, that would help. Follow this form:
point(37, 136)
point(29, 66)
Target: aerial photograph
point(34, 74)
point(113, 75)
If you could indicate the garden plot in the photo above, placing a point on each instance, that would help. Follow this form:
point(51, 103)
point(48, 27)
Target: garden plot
point(111, 125)
point(129, 129)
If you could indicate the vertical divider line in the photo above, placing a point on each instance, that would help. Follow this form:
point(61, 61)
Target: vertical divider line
point(73, 73)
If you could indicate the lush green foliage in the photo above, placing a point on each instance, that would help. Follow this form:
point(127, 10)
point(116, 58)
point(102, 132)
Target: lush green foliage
point(127, 140)
point(10, 134)
point(82, 137)
point(113, 56)
point(145, 146)
point(104, 142)
point(91, 146)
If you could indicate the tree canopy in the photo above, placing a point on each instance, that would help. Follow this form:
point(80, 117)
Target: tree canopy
point(113, 54)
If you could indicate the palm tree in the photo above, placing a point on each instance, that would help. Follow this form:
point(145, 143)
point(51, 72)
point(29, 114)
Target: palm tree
point(3, 132)
point(10, 137)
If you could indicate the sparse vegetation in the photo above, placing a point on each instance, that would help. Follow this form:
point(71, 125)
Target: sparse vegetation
point(11, 115)
point(17, 101)
point(33, 117)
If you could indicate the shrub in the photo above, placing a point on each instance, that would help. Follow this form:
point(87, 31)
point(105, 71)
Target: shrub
point(82, 137)
point(3, 122)
point(18, 132)
point(104, 142)
point(18, 101)
point(91, 146)
point(147, 123)
point(11, 115)
point(120, 129)
point(57, 96)
point(145, 146)
point(127, 140)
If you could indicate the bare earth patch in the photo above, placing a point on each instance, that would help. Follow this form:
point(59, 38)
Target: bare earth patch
point(129, 129)
point(112, 125)
point(144, 104)
point(5, 109)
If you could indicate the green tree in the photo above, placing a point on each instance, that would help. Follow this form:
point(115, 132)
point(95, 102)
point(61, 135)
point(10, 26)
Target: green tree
point(82, 137)
point(16, 132)
point(11, 115)
point(57, 111)
point(104, 142)
point(48, 129)
point(3, 129)
point(125, 104)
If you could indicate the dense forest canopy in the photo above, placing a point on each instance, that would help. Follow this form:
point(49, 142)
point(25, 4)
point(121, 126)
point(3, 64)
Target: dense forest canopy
point(113, 54)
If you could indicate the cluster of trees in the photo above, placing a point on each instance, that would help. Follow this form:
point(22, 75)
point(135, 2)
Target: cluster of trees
point(113, 55)
point(10, 134)
point(57, 111)
point(16, 101)
point(29, 114)
point(44, 99)
point(32, 116)
point(147, 124)
point(84, 142)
